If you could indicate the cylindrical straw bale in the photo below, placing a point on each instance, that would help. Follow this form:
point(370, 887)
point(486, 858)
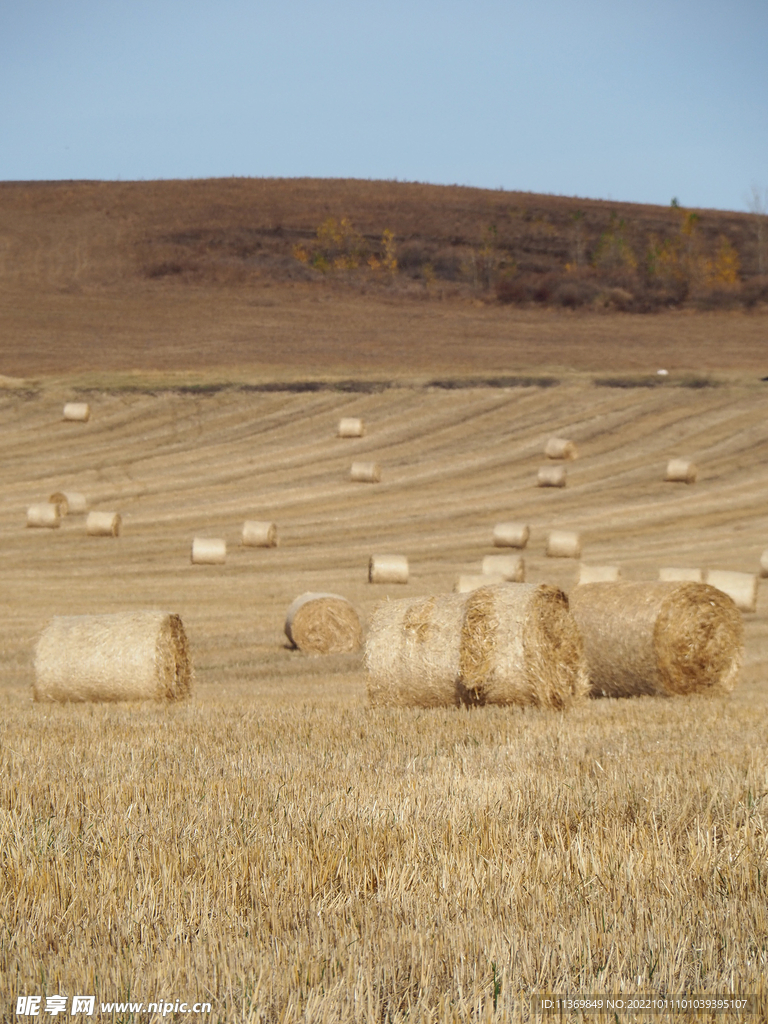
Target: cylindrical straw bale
point(598, 574)
point(560, 448)
point(365, 472)
point(510, 535)
point(44, 514)
point(257, 534)
point(681, 471)
point(79, 411)
point(673, 575)
point(469, 582)
point(658, 638)
point(510, 567)
point(71, 503)
point(349, 426)
point(130, 656)
point(741, 587)
point(551, 476)
point(563, 544)
point(764, 564)
point(323, 624)
point(209, 551)
point(388, 569)
point(103, 524)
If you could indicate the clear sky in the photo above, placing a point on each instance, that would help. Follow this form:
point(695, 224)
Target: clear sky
point(611, 99)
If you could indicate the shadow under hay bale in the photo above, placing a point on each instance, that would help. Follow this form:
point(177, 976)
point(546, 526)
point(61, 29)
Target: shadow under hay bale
point(764, 564)
point(510, 567)
point(208, 551)
point(510, 535)
point(349, 426)
point(79, 412)
point(563, 544)
point(131, 656)
point(560, 448)
point(388, 569)
point(741, 587)
point(257, 534)
point(71, 503)
point(323, 624)
point(365, 473)
point(44, 515)
point(104, 524)
point(551, 476)
point(673, 575)
point(658, 638)
point(681, 471)
point(598, 574)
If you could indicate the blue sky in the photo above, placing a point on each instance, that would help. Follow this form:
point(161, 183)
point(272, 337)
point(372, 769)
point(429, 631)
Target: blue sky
point(611, 99)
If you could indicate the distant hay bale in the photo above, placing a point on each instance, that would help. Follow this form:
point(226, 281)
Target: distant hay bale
point(509, 567)
point(323, 624)
point(365, 472)
point(44, 514)
point(496, 645)
point(672, 575)
point(563, 544)
point(388, 569)
point(510, 535)
point(741, 587)
point(349, 426)
point(551, 476)
point(130, 656)
point(681, 471)
point(598, 574)
point(473, 581)
point(560, 448)
point(764, 564)
point(103, 524)
point(79, 411)
point(257, 534)
point(71, 503)
point(209, 551)
point(658, 638)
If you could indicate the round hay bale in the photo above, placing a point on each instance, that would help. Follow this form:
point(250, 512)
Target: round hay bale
point(560, 448)
point(510, 535)
point(563, 544)
point(598, 574)
point(44, 514)
point(349, 426)
point(658, 638)
point(681, 471)
point(387, 569)
point(129, 656)
point(551, 476)
point(103, 524)
point(467, 583)
point(257, 534)
point(209, 551)
point(741, 587)
point(77, 411)
point(323, 624)
point(764, 564)
point(71, 503)
point(672, 575)
point(510, 567)
point(365, 472)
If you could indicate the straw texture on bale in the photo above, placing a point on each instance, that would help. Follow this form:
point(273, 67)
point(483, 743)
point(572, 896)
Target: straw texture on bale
point(509, 567)
point(349, 426)
point(551, 476)
point(598, 574)
point(681, 471)
point(257, 534)
point(388, 569)
point(79, 411)
point(560, 448)
point(44, 514)
point(658, 638)
point(365, 472)
point(741, 587)
point(103, 524)
point(323, 624)
point(71, 503)
point(563, 544)
point(673, 575)
point(131, 656)
point(209, 551)
point(495, 645)
point(469, 581)
point(510, 535)
point(764, 564)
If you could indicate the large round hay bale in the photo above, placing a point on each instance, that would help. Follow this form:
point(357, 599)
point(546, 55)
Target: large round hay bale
point(388, 569)
point(598, 574)
point(741, 587)
point(103, 524)
point(350, 426)
point(509, 567)
point(77, 411)
point(672, 575)
point(44, 514)
point(71, 503)
point(365, 472)
point(323, 624)
point(209, 551)
point(563, 544)
point(473, 581)
point(551, 476)
point(510, 535)
point(658, 638)
point(560, 448)
point(681, 471)
point(130, 656)
point(257, 534)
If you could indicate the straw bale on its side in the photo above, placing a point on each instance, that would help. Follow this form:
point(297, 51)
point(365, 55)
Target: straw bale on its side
point(598, 574)
point(323, 624)
point(44, 514)
point(658, 638)
point(130, 656)
point(365, 472)
point(78, 411)
point(388, 569)
point(563, 544)
point(71, 503)
point(209, 551)
point(472, 581)
point(258, 534)
point(560, 448)
point(741, 587)
point(551, 476)
point(673, 575)
point(764, 564)
point(681, 471)
point(103, 524)
point(509, 567)
point(350, 426)
point(510, 535)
